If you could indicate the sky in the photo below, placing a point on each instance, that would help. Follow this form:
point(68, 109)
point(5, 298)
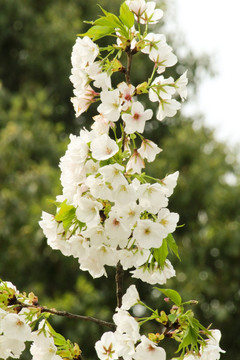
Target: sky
point(213, 26)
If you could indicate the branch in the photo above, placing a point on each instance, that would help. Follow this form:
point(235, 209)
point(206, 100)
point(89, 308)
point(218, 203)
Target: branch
point(129, 63)
point(119, 284)
point(69, 315)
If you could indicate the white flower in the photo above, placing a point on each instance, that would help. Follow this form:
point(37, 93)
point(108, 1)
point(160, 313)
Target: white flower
point(147, 349)
point(181, 86)
point(149, 150)
point(126, 324)
point(125, 346)
point(155, 275)
point(117, 231)
point(95, 234)
point(152, 197)
point(167, 107)
point(168, 220)
point(130, 298)
point(124, 193)
point(152, 41)
point(14, 327)
point(169, 183)
point(101, 125)
point(103, 147)
point(135, 163)
point(78, 246)
point(162, 88)
point(151, 15)
point(136, 120)
point(54, 233)
point(137, 6)
point(129, 212)
point(10, 348)
point(149, 234)
point(106, 347)
point(84, 52)
point(77, 149)
point(126, 94)
point(111, 104)
point(163, 57)
point(133, 258)
point(83, 99)
point(93, 263)
point(113, 174)
point(212, 350)
point(43, 347)
point(87, 211)
point(79, 78)
point(99, 188)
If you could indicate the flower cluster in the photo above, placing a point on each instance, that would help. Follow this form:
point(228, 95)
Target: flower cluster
point(126, 342)
point(108, 209)
point(19, 315)
point(112, 217)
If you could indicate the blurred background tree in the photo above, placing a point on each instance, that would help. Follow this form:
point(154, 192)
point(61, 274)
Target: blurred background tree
point(36, 117)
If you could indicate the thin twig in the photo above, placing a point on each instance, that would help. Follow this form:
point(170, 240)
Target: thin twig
point(70, 315)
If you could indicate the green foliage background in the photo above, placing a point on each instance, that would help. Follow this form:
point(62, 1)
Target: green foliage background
point(36, 118)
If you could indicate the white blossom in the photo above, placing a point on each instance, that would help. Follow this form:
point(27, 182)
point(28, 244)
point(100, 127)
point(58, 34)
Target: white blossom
point(133, 258)
point(181, 86)
point(126, 94)
point(147, 349)
point(106, 347)
point(111, 104)
point(167, 107)
point(212, 350)
point(168, 220)
point(126, 324)
point(14, 327)
point(135, 163)
point(169, 183)
point(137, 119)
point(113, 173)
point(43, 347)
point(151, 15)
point(84, 52)
point(87, 211)
point(149, 150)
point(103, 147)
point(130, 298)
point(152, 197)
point(149, 234)
point(162, 88)
point(155, 275)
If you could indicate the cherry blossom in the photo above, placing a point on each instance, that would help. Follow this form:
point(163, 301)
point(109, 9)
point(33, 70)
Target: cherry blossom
point(136, 120)
point(147, 349)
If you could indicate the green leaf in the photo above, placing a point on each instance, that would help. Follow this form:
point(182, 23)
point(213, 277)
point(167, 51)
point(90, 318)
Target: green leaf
point(66, 215)
point(172, 317)
point(172, 294)
point(161, 254)
point(112, 17)
point(189, 339)
point(172, 245)
point(126, 15)
point(97, 32)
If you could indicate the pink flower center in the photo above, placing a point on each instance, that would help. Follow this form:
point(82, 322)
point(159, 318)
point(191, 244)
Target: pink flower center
point(136, 116)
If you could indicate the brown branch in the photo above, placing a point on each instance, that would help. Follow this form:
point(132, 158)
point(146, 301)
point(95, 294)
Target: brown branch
point(119, 284)
point(129, 63)
point(69, 315)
